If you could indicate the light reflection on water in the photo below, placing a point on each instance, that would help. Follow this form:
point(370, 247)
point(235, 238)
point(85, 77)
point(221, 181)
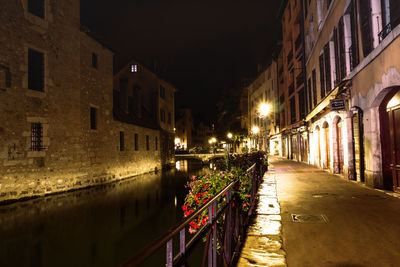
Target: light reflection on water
point(100, 226)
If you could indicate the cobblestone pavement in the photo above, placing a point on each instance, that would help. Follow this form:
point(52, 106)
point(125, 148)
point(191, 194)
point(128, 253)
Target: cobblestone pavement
point(263, 246)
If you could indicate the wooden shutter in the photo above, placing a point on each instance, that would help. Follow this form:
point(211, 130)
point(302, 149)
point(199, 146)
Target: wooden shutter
point(322, 75)
point(327, 58)
point(337, 59)
point(342, 50)
point(354, 59)
point(366, 32)
point(314, 86)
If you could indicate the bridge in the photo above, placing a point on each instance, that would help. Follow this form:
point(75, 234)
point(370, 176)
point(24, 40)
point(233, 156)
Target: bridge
point(203, 157)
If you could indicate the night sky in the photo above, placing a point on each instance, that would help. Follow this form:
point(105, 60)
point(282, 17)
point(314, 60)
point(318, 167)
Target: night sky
point(204, 48)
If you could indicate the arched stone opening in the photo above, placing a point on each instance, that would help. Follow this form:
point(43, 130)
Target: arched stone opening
point(358, 143)
point(389, 125)
point(325, 145)
point(337, 139)
point(317, 139)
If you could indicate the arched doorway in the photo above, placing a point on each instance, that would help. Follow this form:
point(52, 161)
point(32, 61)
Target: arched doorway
point(389, 115)
point(358, 144)
point(327, 159)
point(338, 159)
point(318, 142)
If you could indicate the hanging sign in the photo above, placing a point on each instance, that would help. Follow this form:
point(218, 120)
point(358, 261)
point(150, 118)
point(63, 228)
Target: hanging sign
point(337, 104)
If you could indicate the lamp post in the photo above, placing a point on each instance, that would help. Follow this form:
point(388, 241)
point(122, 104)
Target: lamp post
point(255, 130)
point(263, 111)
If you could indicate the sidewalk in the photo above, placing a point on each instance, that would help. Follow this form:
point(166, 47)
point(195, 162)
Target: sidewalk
point(326, 221)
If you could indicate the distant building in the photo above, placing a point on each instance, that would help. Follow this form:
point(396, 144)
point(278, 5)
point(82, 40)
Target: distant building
point(184, 128)
point(142, 98)
point(263, 90)
point(59, 129)
point(201, 134)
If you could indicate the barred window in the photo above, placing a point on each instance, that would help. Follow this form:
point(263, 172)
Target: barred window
point(36, 136)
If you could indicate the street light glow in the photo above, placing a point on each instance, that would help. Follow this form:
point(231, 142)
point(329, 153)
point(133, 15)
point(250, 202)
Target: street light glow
point(255, 130)
point(229, 135)
point(264, 109)
point(177, 140)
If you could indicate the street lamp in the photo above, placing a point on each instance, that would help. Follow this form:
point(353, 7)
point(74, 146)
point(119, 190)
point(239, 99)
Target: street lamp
point(255, 129)
point(263, 111)
point(229, 135)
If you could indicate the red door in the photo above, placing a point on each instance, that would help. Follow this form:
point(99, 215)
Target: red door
point(394, 124)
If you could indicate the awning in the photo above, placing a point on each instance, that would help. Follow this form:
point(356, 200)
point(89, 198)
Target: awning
point(326, 101)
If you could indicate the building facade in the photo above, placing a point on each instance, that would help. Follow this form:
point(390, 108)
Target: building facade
point(352, 84)
point(263, 90)
point(184, 129)
point(142, 98)
point(58, 127)
point(293, 101)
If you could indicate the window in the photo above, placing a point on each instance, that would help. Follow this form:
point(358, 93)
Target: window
point(35, 70)
point(36, 7)
point(322, 75)
point(156, 142)
point(366, 26)
point(5, 77)
point(136, 142)
point(162, 115)
point(134, 68)
point(309, 89)
point(93, 118)
point(94, 60)
point(121, 141)
point(293, 110)
point(147, 143)
point(36, 136)
point(328, 84)
point(314, 86)
point(169, 118)
point(162, 92)
point(302, 103)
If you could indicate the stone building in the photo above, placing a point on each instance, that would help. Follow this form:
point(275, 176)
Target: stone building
point(264, 90)
point(142, 98)
point(352, 66)
point(184, 129)
point(57, 127)
point(292, 96)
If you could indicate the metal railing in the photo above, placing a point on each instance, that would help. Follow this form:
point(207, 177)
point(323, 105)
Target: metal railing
point(229, 236)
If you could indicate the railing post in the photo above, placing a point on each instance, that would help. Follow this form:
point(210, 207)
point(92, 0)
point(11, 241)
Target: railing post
point(169, 254)
point(210, 247)
point(228, 231)
point(215, 235)
point(182, 243)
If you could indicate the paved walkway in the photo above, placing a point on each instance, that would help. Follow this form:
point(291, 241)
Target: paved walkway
point(322, 220)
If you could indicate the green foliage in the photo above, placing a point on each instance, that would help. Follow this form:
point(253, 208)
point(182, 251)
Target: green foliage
point(203, 188)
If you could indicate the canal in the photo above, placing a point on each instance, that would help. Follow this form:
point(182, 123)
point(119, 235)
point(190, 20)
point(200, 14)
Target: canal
point(99, 226)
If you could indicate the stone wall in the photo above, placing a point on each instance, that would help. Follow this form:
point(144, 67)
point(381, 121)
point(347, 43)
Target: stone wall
point(73, 154)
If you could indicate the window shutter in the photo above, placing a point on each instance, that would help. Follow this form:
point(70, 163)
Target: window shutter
point(322, 75)
point(365, 18)
point(354, 40)
point(327, 59)
point(36, 7)
point(314, 85)
point(342, 53)
point(336, 47)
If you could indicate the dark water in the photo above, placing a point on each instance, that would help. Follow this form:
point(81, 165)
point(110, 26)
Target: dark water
point(101, 226)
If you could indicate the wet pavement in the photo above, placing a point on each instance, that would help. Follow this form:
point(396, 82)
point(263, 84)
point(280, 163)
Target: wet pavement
point(315, 218)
